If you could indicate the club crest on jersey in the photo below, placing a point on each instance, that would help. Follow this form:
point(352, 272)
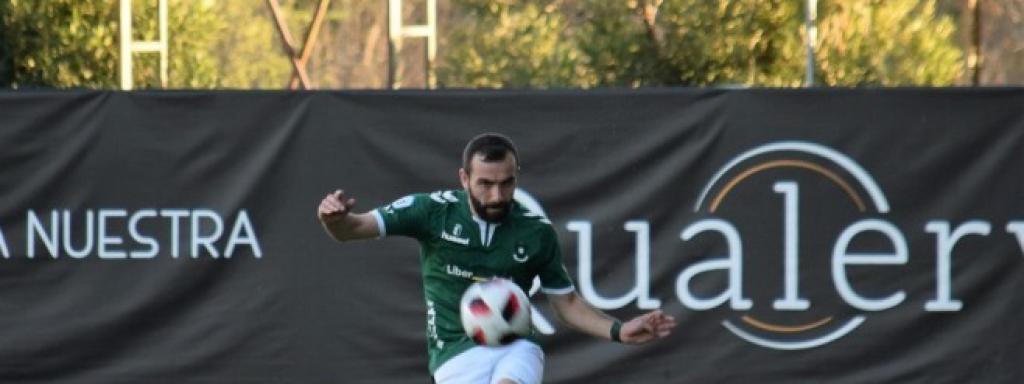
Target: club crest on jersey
point(402, 203)
point(520, 253)
point(455, 236)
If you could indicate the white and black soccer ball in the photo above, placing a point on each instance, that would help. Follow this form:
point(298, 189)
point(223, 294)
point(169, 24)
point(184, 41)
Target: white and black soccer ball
point(495, 312)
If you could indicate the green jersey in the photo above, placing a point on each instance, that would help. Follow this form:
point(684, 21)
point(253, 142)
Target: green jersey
point(458, 248)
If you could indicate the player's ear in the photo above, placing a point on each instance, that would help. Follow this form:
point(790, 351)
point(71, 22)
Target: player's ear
point(464, 178)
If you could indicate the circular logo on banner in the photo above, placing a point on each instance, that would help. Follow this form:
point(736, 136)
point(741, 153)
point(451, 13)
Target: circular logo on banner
point(815, 184)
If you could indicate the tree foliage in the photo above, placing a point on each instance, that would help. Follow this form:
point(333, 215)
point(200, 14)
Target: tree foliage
point(701, 42)
point(493, 43)
point(511, 44)
point(250, 53)
point(695, 42)
point(75, 43)
point(891, 42)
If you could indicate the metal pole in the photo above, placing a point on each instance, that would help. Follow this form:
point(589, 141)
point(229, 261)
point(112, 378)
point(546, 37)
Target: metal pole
point(394, 42)
point(126, 44)
point(162, 14)
point(812, 36)
point(974, 56)
point(129, 46)
point(431, 43)
point(397, 31)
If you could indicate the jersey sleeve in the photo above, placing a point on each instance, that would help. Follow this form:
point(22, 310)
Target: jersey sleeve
point(554, 278)
point(408, 216)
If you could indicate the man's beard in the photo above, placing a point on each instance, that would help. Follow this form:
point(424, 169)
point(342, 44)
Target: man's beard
point(493, 212)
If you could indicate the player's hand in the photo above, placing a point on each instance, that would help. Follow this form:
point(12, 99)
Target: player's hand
point(644, 328)
point(335, 206)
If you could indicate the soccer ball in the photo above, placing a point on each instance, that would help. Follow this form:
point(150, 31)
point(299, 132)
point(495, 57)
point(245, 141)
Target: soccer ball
point(495, 312)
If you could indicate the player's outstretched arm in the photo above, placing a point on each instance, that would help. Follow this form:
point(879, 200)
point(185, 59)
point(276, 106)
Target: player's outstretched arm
point(575, 312)
point(335, 213)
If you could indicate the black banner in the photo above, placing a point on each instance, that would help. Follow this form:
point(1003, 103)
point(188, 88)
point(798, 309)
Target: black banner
point(841, 236)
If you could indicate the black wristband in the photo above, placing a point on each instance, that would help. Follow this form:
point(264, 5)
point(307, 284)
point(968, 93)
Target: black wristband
point(615, 331)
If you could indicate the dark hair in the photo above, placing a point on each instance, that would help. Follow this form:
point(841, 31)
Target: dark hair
point(493, 146)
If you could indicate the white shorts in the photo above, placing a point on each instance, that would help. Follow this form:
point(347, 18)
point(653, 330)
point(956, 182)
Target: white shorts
point(521, 361)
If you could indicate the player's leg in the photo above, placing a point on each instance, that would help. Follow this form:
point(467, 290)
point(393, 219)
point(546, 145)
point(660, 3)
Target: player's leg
point(522, 363)
point(474, 366)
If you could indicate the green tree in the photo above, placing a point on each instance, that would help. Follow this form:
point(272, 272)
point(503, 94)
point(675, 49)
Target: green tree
point(350, 49)
point(617, 45)
point(761, 42)
point(493, 43)
point(891, 42)
point(510, 44)
point(692, 42)
point(351, 46)
point(250, 54)
point(75, 43)
point(6, 60)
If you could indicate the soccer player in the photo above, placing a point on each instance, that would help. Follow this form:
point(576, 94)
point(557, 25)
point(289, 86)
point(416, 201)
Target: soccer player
point(476, 233)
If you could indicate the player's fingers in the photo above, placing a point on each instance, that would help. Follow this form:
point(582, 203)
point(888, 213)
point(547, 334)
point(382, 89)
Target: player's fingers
point(350, 202)
point(325, 214)
point(664, 320)
point(331, 199)
point(671, 321)
point(337, 195)
point(334, 204)
point(653, 317)
point(331, 205)
point(667, 327)
point(326, 210)
point(647, 325)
